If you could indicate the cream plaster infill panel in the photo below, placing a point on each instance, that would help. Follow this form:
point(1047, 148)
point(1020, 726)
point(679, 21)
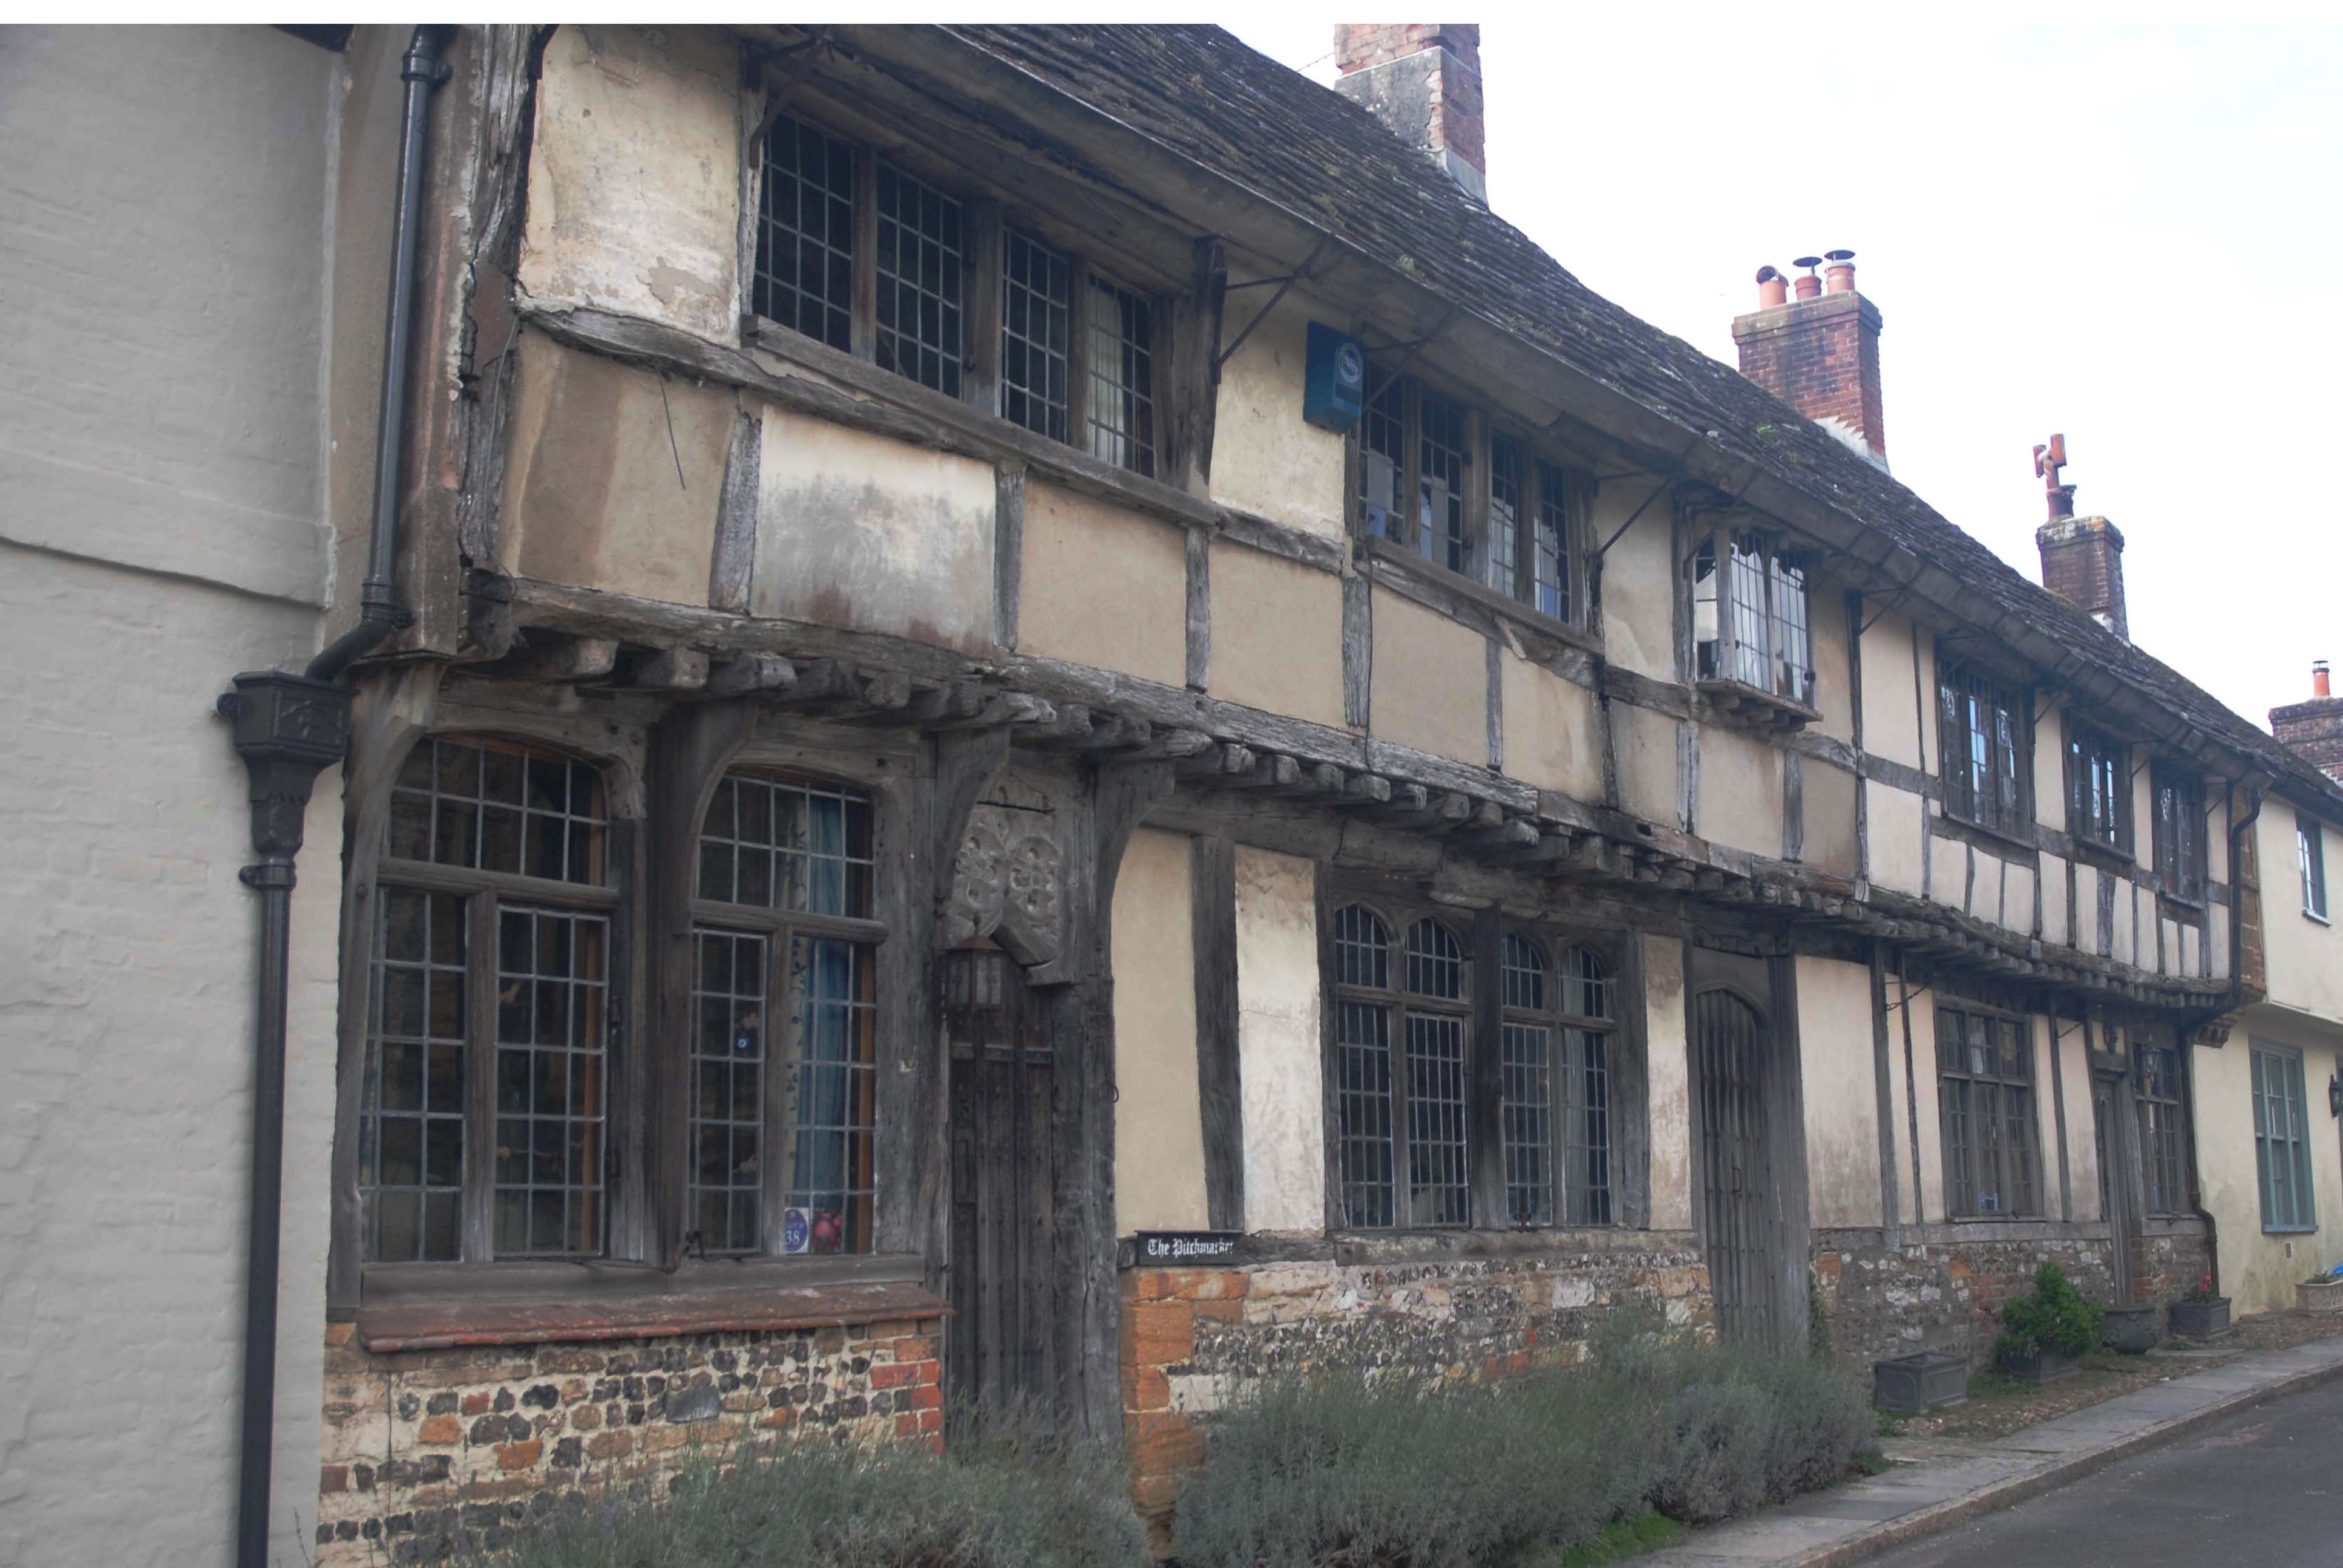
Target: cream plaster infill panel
point(1431, 689)
point(1553, 737)
point(1833, 680)
point(857, 530)
point(2050, 766)
point(1159, 1137)
point(1841, 1090)
point(1828, 800)
point(592, 494)
point(1264, 459)
point(1740, 802)
point(1639, 583)
point(1645, 744)
point(1896, 829)
point(1277, 634)
point(1283, 1110)
point(1891, 719)
point(634, 177)
point(1668, 1075)
point(1103, 587)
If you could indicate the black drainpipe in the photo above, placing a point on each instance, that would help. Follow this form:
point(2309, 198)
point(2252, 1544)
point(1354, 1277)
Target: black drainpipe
point(288, 728)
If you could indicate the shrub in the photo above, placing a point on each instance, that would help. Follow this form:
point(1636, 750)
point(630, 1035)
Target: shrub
point(1005, 1499)
point(1355, 1466)
point(2054, 1315)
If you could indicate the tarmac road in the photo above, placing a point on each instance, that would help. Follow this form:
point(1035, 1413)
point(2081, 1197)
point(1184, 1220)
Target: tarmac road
point(2261, 1489)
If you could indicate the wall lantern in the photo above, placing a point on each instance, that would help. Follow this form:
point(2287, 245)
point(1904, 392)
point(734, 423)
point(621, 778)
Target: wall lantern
point(2334, 1096)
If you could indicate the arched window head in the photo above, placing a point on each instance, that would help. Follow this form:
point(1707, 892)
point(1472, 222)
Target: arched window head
point(1435, 960)
point(1524, 974)
point(1361, 947)
point(1589, 982)
point(487, 804)
point(771, 842)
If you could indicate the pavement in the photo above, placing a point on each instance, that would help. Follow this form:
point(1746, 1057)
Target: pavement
point(1938, 1484)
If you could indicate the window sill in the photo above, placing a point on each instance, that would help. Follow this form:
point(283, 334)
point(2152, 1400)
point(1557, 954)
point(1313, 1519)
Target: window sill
point(422, 1308)
point(2029, 1218)
point(2105, 858)
point(1739, 701)
point(2002, 836)
point(1407, 563)
point(2290, 1230)
point(2314, 915)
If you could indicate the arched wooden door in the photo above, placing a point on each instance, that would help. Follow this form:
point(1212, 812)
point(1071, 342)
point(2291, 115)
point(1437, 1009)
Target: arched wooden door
point(1739, 1217)
point(1003, 1343)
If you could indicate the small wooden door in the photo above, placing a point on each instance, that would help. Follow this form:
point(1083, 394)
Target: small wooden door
point(1001, 1343)
point(1738, 1216)
point(2116, 1187)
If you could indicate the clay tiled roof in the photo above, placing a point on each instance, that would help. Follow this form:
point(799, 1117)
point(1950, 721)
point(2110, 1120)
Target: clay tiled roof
point(1199, 93)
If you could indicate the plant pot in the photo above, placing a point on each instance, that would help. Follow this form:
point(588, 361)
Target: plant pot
point(2044, 1365)
point(2320, 1295)
point(1920, 1383)
point(2135, 1330)
point(2201, 1320)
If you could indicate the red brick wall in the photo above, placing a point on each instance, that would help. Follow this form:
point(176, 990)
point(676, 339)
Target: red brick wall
point(2314, 728)
point(1821, 357)
point(2082, 563)
point(1445, 111)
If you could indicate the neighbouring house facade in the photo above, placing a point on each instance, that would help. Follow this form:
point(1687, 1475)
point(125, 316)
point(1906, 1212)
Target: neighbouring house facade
point(2268, 1103)
point(1070, 732)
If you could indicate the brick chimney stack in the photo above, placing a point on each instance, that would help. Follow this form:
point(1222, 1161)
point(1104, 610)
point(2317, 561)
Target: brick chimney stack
point(2314, 727)
point(1423, 79)
point(1819, 351)
point(2082, 558)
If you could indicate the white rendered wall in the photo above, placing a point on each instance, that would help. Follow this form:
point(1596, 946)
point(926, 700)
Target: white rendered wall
point(163, 240)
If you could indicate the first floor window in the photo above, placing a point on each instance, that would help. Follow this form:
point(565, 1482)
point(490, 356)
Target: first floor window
point(2098, 782)
point(1405, 1035)
point(2163, 1130)
point(484, 1113)
point(1036, 310)
point(2282, 1141)
point(2180, 834)
point(2310, 850)
point(1123, 377)
point(1984, 1095)
point(1749, 615)
point(1982, 736)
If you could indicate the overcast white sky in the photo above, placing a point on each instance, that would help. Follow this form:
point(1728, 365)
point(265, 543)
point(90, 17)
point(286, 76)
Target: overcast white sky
point(2126, 234)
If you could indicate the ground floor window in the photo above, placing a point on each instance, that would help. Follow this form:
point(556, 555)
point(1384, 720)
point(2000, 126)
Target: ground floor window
point(1411, 1083)
point(1985, 1099)
point(2282, 1141)
point(2163, 1128)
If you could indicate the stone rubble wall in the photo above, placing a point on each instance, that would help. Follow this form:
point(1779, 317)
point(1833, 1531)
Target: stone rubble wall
point(427, 1449)
point(1880, 1303)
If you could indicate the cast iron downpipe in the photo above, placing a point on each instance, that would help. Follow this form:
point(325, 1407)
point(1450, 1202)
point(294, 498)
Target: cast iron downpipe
point(288, 728)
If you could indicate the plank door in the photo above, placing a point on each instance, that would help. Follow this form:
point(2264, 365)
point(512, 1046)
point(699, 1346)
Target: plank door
point(1001, 1343)
point(1742, 1237)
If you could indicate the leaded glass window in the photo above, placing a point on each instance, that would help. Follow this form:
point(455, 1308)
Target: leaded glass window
point(1036, 310)
point(1123, 377)
point(804, 234)
point(784, 1098)
point(1402, 1057)
point(1383, 458)
point(1750, 624)
point(1442, 462)
point(1984, 1102)
point(2163, 1128)
point(483, 1123)
point(1550, 566)
point(2180, 834)
point(1507, 486)
point(1982, 734)
point(922, 248)
point(2098, 788)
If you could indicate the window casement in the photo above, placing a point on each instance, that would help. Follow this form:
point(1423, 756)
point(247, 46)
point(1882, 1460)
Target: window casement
point(2180, 834)
point(784, 1021)
point(2282, 1140)
point(1982, 736)
point(2163, 1128)
point(1750, 626)
point(1985, 1112)
point(1518, 532)
point(871, 258)
point(2310, 853)
point(1407, 1094)
point(484, 1113)
point(1557, 1055)
point(2098, 789)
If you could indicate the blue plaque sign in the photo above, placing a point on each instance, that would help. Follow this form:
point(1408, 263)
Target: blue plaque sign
point(1334, 385)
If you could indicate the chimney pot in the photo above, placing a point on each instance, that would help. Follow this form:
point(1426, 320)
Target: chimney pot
point(1840, 273)
point(1820, 356)
point(2318, 679)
